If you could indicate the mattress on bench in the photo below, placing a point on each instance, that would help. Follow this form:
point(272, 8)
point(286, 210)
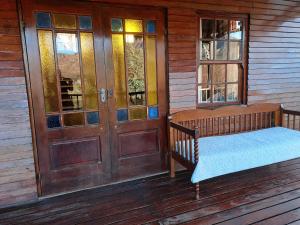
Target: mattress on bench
point(219, 155)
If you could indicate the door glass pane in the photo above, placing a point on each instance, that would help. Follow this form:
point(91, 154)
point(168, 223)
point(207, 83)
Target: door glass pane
point(119, 70)
point(122, 115)
point(218, 93)
point(153, 112)
point(203, 74)
point(221, 50)
point(138, 113)
point(233, 72)
point(234, 50)
point(69, 71)
point(43, 20)
point(150, 26)
point(151, 69)
point(133, 25)
point(53, 121)
point(116, 25)
point(204, 94)
point(85, 22)
point(92, 117)
point(232, 92)
point(206, 50)
point(64, 21)
point(236, 30)
point(207, 28)
point(222, 29)
point(73, 119)
point(48, 71)
point(88, 70)
point(219, 72)
point(135, 69)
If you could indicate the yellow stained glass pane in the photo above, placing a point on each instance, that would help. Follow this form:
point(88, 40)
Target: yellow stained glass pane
point(64, 21)
point(73, 119)
point(48, 71)
point(137, 113)
point(133, 25)
point(119, 70)
point(151, 69)
point(88, 69)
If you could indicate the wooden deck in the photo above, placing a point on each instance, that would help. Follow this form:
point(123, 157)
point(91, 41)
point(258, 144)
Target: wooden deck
point(268, 195)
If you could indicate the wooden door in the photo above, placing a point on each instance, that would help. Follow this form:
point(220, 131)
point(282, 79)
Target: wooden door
point(66, 64)
point(135, 69)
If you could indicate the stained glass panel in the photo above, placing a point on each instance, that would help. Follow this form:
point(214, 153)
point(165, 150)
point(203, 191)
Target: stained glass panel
point(153, 112)
point(73, 119)
point(116, 25)
point(138, 113)
point(151, 26)
point(92, 117)
point(64, 21)
point(43, 20)
point(53, 121)
point(133, 25)
point(122, 115)
point(85, 22)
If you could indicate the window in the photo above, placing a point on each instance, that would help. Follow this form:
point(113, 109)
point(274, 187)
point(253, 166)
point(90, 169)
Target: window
point(221, 60)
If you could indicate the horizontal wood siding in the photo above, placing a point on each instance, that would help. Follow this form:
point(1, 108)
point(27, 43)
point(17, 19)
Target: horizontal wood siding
point(17, 173)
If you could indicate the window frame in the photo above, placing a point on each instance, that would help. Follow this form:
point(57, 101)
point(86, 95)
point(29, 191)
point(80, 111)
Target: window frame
point(243, 80)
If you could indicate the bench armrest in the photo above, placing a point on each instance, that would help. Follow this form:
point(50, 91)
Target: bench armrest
point(291, 119)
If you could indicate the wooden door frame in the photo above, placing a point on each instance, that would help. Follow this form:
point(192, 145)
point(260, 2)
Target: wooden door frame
point(98, 5)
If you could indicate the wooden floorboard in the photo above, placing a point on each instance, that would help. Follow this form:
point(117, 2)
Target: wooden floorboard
point(266, 195)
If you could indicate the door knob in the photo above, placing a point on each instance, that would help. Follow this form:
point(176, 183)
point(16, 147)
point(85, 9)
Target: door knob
point(102, 93)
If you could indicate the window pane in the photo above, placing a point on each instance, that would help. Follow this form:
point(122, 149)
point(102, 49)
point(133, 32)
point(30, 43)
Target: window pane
point(151, 27)
point(119, 70)
point(64, 21)
point(233, 72)
point(219, 93)
point(48, 71)
point(73, 119)
point(43, 20)
point(232, 92)
point(219, 72)
point(88, 70)
point(206, 50)
point(69, 71)
point(116, 25)
point(122, 115)
point(133, 25)
point(85, 22)
point(53, 121)
point(92, 117)
point(204, 93)
point(222, 29)
point(207, 28)
point(221, 50)
point(234, 50)
point(135, 68)
point(235, 29)
point(153, 112)
point(138, 113)
point(151, 69)
point(204, 74)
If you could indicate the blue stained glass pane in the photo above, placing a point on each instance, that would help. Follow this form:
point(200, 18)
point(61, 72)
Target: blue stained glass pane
point(53, 121)
point(150, 26)
point(43, 20)
point(153, 112)
point(122, 114)
point(85, 22)
point(92, 117)
point(116, 25)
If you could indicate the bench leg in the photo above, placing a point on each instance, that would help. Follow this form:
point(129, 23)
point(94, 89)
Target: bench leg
point(172, 166)
point(197, 189)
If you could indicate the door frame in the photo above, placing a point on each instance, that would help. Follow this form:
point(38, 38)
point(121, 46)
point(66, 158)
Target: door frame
point(28, 78)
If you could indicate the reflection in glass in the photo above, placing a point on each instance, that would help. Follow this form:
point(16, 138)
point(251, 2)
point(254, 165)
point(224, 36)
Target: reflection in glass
point(218, 93)
point(235, 30)
point(85, 22)
point(92, 117)
point(204, 93)
point(221, 50)
point(135, 69)
point(206, 50)
point(119, 70)
point(233, 71)
point(150, 26)
point(43, 20)
point(234, 50)
point(53, 121)
point(133, 25)
point(69, 71)
point(222, 29)
point(116, 25)
point(138, 113)
point(219, 71)
point(64, 21)
point(48, 71)
point(151, 69)
point(73, 119)
point(122, 115)
point(88, 70)
point(232, 92)
point(204, 74)
point(207, 28)
point(153, 112)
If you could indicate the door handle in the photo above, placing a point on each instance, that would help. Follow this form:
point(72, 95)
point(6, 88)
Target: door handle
point(102, 93)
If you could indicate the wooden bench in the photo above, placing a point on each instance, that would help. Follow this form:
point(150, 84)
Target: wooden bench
point(186, 127)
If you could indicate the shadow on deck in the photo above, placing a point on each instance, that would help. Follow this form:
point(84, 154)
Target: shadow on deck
point(267, 195)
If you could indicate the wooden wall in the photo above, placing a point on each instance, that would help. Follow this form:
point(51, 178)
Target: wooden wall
point(17, 175)
point(274, 72)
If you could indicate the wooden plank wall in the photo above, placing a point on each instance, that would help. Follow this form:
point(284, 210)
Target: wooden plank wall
point(17, 174)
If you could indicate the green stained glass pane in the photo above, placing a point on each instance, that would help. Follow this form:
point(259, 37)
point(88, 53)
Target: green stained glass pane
point(116, 25)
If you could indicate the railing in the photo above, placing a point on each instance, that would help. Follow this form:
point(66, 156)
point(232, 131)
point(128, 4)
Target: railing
point(291, 119)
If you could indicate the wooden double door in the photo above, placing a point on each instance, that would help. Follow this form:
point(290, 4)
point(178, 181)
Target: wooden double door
point(98, 87)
